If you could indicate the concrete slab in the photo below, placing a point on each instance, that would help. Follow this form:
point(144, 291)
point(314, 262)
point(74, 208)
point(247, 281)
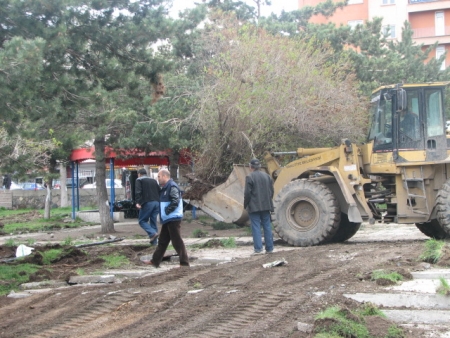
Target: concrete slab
point(128, 273)
point(46, 283)
point(92, 279)
point(420, 285)
point(432, 274)
point(418, 316)
point(410, 300)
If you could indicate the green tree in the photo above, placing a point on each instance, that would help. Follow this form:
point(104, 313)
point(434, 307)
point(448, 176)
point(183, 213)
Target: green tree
point(100, 70)
point(271, 92)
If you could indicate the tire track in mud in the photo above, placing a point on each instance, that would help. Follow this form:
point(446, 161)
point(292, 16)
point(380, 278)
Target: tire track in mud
point(243, 315)
point(68, 323)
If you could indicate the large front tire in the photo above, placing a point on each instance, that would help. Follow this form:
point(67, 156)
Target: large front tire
point(346, 230)
point(306, 213)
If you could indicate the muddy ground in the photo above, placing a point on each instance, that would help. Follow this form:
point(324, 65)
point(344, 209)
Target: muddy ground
point(236, 299)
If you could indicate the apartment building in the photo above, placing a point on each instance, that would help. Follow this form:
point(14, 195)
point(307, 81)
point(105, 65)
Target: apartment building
point(430, 20)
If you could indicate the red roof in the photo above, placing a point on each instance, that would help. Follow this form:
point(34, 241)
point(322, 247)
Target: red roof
point(123, 158)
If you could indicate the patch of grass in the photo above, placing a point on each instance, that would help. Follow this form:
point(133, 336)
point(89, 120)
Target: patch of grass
point(342, 323)
point(80, 272)
point(10, 242)
point(115, 261)
point(68, 241)
point(369, 309)
point(222, 226)
point(204, 219)
point(56, 221)
point(444, 288)
point(31, 241)
point(14, 275)
point(228, 242)
point(197, 285)
point(170, 247)
point(50, 256)
point(199, 233)
point(394, 277)
point(395, 332)
point(433, 251)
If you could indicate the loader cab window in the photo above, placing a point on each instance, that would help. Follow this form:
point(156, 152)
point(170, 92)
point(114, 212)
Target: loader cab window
point(381, 126)
point(434, 113)
point(409, 122)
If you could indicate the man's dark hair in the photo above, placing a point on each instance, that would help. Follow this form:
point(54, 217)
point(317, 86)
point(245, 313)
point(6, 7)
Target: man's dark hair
point(142, 171)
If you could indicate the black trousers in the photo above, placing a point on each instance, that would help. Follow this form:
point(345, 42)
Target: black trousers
point(170, 232)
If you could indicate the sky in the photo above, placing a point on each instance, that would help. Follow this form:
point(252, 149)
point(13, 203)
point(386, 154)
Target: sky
point(276, 7)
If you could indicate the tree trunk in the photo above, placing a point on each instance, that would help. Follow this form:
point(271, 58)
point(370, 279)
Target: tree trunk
point(63, 180)
point(48, 200)
point(106, 221)
point(174, 159)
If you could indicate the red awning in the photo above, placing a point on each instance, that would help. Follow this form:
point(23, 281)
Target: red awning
point(123, 158)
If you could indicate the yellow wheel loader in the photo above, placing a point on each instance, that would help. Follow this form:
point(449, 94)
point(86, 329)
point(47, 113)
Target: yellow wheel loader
point(400, 175)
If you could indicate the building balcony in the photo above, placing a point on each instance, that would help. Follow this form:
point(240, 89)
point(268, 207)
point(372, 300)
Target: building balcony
point(425, 5)
point(428, 36)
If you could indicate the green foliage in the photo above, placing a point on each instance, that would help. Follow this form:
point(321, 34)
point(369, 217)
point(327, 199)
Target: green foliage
point(14, 275)
point(268, 92)
point(199, 233)
point(30, 241)
point(10, 242)
point(115, 261)
point(197, 285)
point(347, 323)
point(50, 256)
point(80, 272)
point(433, 251)
point(368, 309)
point(342, 326)
point(228, 242)
point(394, 277)
point(223, 226)
point(395, 332)
point(444, 287)
point(16, 224)
point(68, 241)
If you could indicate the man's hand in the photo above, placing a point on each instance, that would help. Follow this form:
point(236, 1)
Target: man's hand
point(138, 205)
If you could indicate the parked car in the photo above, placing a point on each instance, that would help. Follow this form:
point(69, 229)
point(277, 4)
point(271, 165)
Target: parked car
point(15, 186)
point(81, 181)
point(117, 184)
point(31, 186)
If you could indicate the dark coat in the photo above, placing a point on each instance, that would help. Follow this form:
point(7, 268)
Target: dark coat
point(147, 190)
point(258, 192)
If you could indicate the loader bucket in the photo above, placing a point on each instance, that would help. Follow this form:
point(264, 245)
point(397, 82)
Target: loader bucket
point(225, 202)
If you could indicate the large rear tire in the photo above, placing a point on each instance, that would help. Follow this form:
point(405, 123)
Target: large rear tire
point(306, 213)
point(346, 229)
point(443, 208)
point(432, 229)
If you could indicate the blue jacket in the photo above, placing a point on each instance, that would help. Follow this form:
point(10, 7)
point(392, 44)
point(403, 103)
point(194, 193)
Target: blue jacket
point(171, 203)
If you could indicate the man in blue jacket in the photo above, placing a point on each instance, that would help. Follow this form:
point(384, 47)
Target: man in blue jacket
point(147, 201)
point(171, 214)
point(258, 196)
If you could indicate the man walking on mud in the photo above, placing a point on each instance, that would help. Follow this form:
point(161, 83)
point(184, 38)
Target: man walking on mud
point(171, 214)
point(258, 196)
point(147, 201)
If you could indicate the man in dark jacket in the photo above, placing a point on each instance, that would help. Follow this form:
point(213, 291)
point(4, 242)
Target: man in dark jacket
point(258, 196)
point(7, 182)
point(171, 214)
point(147, 201)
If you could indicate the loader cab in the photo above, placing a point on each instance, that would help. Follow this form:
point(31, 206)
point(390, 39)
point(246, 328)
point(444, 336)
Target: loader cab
point(408, 118)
